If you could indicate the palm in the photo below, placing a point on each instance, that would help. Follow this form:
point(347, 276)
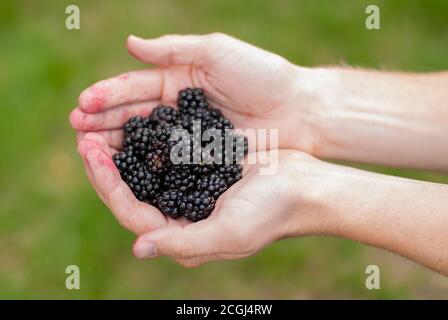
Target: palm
point(237, 76)
point(223, 88)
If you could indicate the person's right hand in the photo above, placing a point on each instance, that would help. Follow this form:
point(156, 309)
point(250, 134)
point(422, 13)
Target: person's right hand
point(252, 87)
point(256, 211)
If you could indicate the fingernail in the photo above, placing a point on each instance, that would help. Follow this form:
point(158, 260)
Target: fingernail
point(146, 250)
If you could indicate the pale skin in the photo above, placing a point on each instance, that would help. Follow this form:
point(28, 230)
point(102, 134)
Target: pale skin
point(386, 118)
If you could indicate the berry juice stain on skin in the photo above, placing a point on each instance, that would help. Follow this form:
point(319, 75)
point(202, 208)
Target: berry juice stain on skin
point(94, 99)
point(85, 146)
point(96, 104)
point(106, 162)
point(124, 76)
point(83, 121)
point(91, 127)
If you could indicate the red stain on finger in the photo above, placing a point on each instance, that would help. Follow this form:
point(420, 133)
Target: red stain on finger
point(85, 146)
point(124, 76)
point(92, 150)
point(100, 158)
point(83, 121)
point(96, 104)
point(93, 99)
point(107, 162)
point(103, 170)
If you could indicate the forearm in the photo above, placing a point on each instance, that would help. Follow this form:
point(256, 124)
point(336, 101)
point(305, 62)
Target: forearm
point(378, 117)
point(404, 216)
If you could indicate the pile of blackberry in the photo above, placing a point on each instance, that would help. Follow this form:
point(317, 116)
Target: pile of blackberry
point(180, 189)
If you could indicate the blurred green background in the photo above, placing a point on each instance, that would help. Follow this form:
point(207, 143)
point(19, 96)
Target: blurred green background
point(49, 215)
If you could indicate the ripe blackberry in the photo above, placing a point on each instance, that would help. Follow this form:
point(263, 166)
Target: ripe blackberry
point(215, 184)
point(198, 205)
point(179, 177)
point(132, 124)
point(165, 114)
point(191, 101)
point(239, 148)
point(178, 189)
point(138, 140)
point(213, 118)
point(144, 184)
point(158, 160)
point(171, 203)
point(222, 178)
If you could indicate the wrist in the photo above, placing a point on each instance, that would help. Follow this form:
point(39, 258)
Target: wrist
point(316, 92)
point(313, 195)
point(330, 199)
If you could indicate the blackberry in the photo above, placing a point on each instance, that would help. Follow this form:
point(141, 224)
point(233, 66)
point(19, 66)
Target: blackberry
point(165, 114)
point(138, 140)
point(142, 182)
point(198, 205)
point(239, 149)
point(172, 203)
point(189, 190)
point(158, 160)
point(132, 124)
point(215, 184)
point(192, 101)
point(220, 179)
point(180, 177)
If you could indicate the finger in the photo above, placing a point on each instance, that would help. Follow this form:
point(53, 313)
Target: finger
point(90, 176)
point(195, 240)
point(172, 49)
point(86, 165)
point(113, 138)
point(101, 137)
point(111, 118)
point(135, 86)
point(134, 215)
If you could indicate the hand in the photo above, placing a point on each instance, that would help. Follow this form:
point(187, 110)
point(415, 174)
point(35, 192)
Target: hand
point(254, 212)
point(252, 87)
point(304, 197)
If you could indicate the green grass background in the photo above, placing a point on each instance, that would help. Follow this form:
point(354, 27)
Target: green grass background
point(49, 215)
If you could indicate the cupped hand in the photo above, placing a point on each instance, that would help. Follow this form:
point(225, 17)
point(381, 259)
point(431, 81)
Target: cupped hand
point(254, 212)
point(252, 87)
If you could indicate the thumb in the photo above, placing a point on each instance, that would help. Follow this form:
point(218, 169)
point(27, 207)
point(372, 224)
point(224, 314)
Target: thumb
point(193, 240)
point(172, 49)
